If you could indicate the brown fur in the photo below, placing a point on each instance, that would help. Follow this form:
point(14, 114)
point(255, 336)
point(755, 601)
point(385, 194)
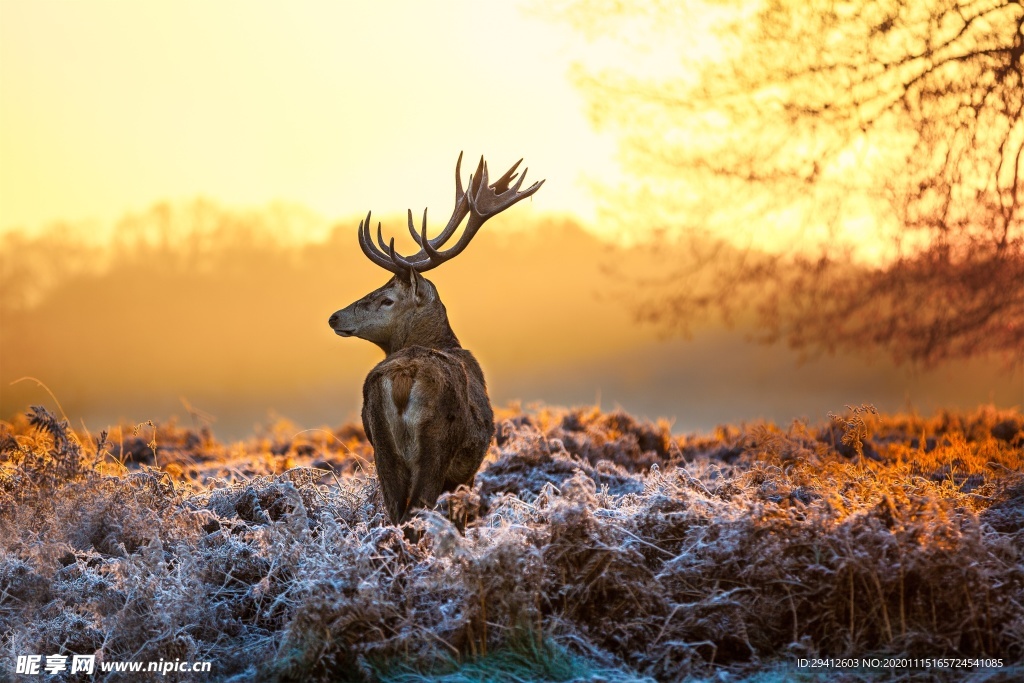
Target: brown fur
point(401, 387)
point(425, 406)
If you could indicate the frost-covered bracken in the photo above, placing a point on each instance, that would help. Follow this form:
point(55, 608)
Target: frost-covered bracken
point(592, 547)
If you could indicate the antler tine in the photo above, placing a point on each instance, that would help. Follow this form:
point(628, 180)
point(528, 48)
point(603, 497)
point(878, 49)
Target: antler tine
point(412, 227)
point(397, 258)
point(432, 254)
point(371, 251)
point(482, 183)
point(426, 245)
point(480, 201)
point(380, 238)
point(528, 191)
point(481, 176)
point(495, 200)
point(427, 256)
point(501, 184)
point(461, 207)
point(486, 202)
point(459, 213)
point(459, 194)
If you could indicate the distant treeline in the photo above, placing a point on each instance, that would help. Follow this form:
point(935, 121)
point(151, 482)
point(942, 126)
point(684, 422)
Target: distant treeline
point(226, 311)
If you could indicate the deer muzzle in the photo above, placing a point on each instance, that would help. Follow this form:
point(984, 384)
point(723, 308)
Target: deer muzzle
point(336, 324)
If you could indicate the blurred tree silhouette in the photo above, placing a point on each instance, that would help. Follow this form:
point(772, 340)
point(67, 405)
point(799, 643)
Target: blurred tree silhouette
point(889, 131)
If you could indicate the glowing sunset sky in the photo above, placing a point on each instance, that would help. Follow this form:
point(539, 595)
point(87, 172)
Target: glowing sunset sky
point(108, 106)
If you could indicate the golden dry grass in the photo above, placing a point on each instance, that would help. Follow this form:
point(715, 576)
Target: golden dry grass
point(591, 540)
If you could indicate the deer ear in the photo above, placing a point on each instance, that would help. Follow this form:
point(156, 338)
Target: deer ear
point(423, 290)
point(416, 282)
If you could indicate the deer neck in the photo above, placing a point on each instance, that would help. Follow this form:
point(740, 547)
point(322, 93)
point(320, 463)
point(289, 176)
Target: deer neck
point(432, 331)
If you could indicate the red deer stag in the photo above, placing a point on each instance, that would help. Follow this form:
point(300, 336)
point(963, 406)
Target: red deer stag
point(425, 406)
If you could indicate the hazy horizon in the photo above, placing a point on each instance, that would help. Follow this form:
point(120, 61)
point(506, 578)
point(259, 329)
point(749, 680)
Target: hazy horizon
point(124, 295)
point(234, 321)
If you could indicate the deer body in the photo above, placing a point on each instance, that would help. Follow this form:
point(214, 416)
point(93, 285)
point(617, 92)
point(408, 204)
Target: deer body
point(425, 406)
point(428, 417)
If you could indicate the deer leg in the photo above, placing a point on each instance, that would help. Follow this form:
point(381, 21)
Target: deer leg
point(392, 471)
point(394, 484)
point(427, 480)
point(394, 480)
point(427, 485)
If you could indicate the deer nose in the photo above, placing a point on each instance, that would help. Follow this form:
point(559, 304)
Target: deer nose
point(333, 321)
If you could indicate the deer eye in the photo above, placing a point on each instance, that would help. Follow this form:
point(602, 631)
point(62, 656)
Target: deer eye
point(386, 302)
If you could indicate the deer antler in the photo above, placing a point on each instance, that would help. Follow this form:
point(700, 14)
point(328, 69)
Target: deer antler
point(480, 202)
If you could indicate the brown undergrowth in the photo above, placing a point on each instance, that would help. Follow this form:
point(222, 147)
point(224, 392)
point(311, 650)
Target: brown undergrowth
point(638, 553)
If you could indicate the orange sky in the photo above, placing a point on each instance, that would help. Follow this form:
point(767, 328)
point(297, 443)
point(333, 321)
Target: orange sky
point(108, 106)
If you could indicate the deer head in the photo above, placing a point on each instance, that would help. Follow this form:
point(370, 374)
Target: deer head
point(407, 310)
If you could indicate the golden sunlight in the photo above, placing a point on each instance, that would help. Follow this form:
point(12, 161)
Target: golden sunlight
point(586, 429)
point(160, 155)
point(108, 107)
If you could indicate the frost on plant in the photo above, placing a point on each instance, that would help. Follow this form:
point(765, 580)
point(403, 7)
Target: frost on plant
point(591, 546)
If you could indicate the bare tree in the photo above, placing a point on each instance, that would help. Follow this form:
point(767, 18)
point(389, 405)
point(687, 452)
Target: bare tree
point(889, 131)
